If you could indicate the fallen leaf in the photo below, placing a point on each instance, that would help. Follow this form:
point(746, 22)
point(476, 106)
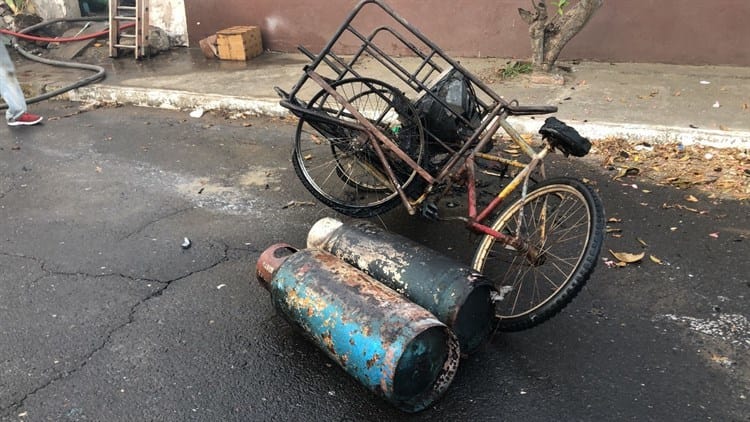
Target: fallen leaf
point(628, 258)
point(655, 260)
point(627, 171)
point(291, 204)
point(721, 360)
point(642, 242)
point(714, 235)
point(614, 220)
point(98, 169)
point(691, 198)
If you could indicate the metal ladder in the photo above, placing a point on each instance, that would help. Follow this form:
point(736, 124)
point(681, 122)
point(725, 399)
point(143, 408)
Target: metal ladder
point(137, 14)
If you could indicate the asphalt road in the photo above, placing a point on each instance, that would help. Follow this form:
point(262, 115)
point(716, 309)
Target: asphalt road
point(103, 316)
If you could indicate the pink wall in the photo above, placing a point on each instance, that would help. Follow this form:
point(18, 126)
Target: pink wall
point(663, 31)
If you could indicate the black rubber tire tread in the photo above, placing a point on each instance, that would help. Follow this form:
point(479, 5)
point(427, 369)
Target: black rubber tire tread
point(579, 276)
point(356, 211)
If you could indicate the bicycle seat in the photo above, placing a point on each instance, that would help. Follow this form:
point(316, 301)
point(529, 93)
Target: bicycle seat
point(565, 138)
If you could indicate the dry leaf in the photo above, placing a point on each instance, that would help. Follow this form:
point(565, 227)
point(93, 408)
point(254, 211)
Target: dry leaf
point(614, 220)
point(642, 242)
point(691, 198)
point(98, 169)
point(721, 360)
point(628, 258)
point(655, 260)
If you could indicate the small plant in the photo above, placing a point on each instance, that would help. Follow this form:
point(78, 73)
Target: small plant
point(560, 6)
point(514, 68)
point(16, 6)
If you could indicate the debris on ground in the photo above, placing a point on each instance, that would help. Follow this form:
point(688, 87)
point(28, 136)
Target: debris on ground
point(720, 172)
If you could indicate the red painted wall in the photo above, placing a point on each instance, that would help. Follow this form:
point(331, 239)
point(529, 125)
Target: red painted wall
point(663, 31)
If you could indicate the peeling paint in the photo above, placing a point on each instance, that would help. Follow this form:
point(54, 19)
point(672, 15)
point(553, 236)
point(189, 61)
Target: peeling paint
point(441, 285)
point(389, 344)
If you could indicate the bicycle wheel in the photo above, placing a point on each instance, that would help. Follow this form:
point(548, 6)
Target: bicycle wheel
point(562, 219)
point(338, 164)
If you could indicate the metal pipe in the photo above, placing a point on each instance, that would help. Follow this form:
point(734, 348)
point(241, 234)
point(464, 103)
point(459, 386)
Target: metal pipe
point(457, 295)
point(392, 346)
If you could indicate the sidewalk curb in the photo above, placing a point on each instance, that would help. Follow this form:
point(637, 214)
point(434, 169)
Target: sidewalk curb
point(184, 100)
point(175, 100)
point(655, 134)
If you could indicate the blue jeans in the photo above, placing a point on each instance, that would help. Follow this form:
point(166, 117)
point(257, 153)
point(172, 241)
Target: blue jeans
point(9, 88)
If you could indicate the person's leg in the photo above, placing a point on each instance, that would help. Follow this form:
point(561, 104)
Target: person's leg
point(9, 87)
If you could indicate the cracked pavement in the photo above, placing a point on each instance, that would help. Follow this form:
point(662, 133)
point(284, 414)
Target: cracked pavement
point(104, 316)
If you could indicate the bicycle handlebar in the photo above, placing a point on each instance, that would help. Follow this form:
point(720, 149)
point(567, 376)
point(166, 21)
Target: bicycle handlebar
point(517, 110)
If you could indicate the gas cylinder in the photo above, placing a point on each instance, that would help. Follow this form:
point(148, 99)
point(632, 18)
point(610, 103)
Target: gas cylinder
point(393, 347)
point(456, 294)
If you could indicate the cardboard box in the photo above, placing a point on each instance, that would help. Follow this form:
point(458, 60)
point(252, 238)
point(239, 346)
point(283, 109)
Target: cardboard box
point(239, 43)
point(209, 47)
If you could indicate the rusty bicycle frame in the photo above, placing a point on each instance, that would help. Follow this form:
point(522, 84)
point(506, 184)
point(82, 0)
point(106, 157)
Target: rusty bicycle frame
point(462, 163)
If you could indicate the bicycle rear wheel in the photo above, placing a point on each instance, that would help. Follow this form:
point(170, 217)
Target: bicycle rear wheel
point(563, 220)
point(338, 164)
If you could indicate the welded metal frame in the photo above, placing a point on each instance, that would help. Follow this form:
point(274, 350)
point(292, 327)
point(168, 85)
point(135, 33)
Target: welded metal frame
point(493, 110)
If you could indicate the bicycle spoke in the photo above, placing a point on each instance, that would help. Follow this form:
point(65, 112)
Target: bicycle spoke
point(555, 222)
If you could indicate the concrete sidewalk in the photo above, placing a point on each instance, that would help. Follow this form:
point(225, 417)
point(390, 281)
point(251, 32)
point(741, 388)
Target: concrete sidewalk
point(658, 103)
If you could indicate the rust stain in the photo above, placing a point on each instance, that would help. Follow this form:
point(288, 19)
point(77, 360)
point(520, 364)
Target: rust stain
point(371, 362)
point(328, 342)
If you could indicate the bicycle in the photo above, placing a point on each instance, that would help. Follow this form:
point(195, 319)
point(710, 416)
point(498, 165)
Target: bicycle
point(363, 146)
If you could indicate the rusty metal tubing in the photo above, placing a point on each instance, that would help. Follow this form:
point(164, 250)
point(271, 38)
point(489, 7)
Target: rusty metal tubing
point(393, 347)
point(456, 294)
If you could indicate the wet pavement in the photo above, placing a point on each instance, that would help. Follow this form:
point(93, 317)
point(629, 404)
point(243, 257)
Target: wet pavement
point(104, 316)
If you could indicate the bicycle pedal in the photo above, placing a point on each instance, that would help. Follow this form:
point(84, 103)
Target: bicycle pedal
point(430, 211)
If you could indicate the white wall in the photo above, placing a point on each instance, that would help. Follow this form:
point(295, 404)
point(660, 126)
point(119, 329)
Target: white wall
point(55, 9)
point(168, 15)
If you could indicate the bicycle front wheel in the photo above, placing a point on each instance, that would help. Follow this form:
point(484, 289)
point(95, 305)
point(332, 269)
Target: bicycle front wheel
point(339, 165)
point(562, 220)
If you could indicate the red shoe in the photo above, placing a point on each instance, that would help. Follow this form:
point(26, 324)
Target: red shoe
point(26, 119)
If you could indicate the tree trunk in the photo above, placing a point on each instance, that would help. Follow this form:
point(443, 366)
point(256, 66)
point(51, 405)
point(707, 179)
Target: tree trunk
point(550, 35)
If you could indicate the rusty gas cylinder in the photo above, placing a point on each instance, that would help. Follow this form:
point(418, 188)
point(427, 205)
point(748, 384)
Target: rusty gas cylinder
point(456, 294)
point(394, 347)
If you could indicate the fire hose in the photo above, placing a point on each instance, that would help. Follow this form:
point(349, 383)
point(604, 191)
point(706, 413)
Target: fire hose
point(99, 72)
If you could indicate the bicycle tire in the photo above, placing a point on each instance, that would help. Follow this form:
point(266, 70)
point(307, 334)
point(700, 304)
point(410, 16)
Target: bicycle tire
point(565, 204)
point(338, 165)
